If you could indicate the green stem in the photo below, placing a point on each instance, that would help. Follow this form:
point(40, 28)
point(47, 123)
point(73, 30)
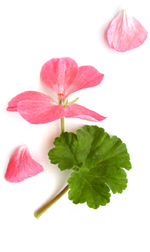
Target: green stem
point(62, 124)
point(42, 210)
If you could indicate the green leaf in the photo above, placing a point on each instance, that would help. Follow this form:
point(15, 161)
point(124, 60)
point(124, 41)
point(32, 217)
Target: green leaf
point(97, 160)
point(63, 153)
point(85, 188)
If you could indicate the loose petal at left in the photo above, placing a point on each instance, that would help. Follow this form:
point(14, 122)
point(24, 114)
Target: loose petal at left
point(21, 166)
point(77, 111)
point(125, 33)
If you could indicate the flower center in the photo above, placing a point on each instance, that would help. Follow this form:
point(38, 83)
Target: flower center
point(61, 98)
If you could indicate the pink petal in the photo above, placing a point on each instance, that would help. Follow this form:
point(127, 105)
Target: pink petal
point(21, 166)
point(87, 76)
point(58, 74)
point(125, 33)
point(36, 107)
point(28, 95)
point(39, 112)
point(77, 111)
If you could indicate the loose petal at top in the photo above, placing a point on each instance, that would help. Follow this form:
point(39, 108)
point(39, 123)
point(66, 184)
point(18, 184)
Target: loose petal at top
point(28, 95)
point(58, 74)
point(125, 33)
point(86, 77)
point(39, 112)
point(21, 166)
point(77, 111)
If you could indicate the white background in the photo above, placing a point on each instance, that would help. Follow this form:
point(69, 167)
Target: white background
point(33, 32)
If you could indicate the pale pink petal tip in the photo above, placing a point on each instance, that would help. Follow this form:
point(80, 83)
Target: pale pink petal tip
point(125, 33)
point(21, 166)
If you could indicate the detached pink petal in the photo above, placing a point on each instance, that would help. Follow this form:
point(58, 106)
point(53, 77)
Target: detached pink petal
point(86, 77)
point(28, 95)
point(39, 112)
point(21, 166)
point(77, 111)
point(58, 74)
point(125, 33)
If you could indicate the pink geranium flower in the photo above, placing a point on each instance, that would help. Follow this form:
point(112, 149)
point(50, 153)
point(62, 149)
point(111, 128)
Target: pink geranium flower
point(63, 77)
point(21, 166)
point(125, 33)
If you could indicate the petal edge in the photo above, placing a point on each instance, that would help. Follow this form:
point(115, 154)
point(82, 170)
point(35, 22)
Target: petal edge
point(27, 95)
point(87, 77)
point(78, 111)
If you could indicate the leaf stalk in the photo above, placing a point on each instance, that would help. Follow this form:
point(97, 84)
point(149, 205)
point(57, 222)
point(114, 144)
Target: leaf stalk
point(43, 209)
point(46, 206)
